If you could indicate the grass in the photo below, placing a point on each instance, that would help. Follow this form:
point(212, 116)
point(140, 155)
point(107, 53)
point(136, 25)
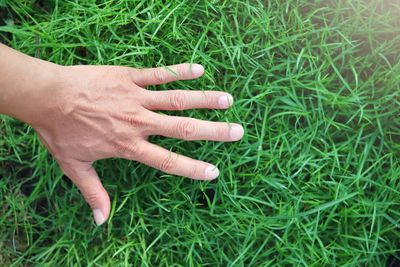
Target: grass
point(314, 182)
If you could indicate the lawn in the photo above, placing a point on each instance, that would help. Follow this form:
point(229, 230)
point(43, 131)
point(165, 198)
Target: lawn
point(314, 182)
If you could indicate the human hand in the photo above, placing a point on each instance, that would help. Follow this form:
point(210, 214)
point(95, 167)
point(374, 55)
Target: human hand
point(98, 112)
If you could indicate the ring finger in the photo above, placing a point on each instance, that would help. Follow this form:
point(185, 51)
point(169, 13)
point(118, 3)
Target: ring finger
point(194, 129)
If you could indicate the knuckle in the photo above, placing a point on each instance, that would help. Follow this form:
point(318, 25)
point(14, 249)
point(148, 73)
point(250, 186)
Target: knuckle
point(221, 132)
point(134, 118)
point(209, 100)
point(181, 70)
point(195, 172)
point(131, 119)
point(160, 75)
point(128, 74)
point(178, 100)
point(117, 72)
point(168, 164)
point(187, 129)
point(91, 198)
point(127, 150)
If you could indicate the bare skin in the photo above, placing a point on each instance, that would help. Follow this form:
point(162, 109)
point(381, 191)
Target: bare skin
point(87, 113)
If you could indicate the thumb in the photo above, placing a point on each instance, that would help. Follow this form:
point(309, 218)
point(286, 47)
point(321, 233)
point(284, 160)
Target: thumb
point(84, 176)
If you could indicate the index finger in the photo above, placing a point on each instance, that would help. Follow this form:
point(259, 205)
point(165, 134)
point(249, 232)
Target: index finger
point(161, 75)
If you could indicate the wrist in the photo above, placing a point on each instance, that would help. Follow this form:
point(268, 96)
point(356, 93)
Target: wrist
point(27, 86)
point(40, 100)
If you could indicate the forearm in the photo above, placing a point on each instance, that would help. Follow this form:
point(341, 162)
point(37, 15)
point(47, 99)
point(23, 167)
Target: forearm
point(25, 84)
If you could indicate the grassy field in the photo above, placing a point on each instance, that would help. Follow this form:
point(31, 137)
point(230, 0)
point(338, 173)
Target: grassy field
point(314, 182)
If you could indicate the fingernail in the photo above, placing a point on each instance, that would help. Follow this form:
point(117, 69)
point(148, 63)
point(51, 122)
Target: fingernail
point(211, 172)
point(197, 69)
point(98, 216)
point(236, 132)
point(225, 101)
